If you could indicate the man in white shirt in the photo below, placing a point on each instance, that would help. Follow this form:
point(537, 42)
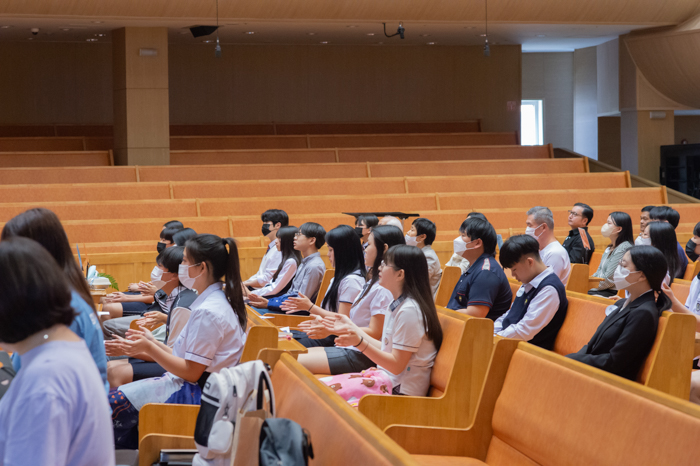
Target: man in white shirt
point(393, 221)
point(273, 220)
point(422, 234)
point(540, 225)
point(540, 305)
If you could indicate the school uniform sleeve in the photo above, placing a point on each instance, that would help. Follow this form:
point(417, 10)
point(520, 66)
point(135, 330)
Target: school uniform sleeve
point(277, 285)
point(271, 266)
point(381, 301)
point(349, 288)
point(42, 434)
point(484, 289)
point(539, 313)
point(178, 318)
point(204, 336)
point(408, 328)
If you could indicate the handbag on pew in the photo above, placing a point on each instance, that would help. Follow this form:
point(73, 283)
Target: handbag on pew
point(234, 404)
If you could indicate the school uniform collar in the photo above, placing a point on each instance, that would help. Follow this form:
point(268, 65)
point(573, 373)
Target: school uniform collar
point(397, 303)
point(535, 282)
point(210, 289)
point(310, 257)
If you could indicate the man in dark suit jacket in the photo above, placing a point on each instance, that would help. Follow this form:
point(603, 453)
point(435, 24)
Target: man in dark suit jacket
point(622, 342)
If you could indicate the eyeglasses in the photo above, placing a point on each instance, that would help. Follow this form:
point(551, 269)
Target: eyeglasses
point(383, 265)
point(574, 214)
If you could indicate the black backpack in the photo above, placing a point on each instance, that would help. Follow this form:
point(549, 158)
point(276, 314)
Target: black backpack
point(284, 442)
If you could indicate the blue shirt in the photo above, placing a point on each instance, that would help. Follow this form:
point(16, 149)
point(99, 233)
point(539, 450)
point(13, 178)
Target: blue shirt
point(87, 327)
point(55, 412)
point(683, 264)
point(483, 284)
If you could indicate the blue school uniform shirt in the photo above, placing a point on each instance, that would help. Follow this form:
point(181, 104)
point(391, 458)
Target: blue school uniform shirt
point(87, 327)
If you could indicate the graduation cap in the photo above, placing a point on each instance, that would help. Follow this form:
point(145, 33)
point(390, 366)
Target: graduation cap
point(399, 215)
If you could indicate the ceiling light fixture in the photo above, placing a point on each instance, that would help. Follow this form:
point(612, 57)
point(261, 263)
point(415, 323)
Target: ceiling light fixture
point(310, 33)
point(431, 43)
point(100, 35)
point(92, 39)
point(370, 33)
point(487, 49)
point(324, 42)
point(399, 32)
point(5, 27)
point(249, 32)
point(217, 49)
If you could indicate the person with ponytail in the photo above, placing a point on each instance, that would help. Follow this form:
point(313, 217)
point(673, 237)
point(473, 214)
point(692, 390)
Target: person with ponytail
point(367, 312)
point(291, 258)
point(622, 342)
point(212, 339)
point(44, 227)
point(346, 256)
point(662, 236)
point(412, 334)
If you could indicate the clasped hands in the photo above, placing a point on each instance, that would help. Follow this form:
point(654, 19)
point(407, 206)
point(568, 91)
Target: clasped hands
point(348, 334)
point(136, 342)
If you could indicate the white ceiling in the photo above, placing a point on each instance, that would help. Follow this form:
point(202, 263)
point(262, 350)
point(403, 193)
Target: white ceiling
point(532, 37)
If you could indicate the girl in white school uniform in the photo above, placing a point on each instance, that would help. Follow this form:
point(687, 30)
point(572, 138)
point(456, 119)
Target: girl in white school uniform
point(367, 312)
point(345, 254)
point(212, 339)
point(291, 258)
point(412, 333)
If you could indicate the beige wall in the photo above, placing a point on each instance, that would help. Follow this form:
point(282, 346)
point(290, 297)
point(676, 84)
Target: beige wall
point(550, 77)
point(72, 84)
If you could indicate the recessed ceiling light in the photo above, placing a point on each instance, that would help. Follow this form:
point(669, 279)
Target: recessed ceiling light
point(352, 26)
point(431, 43)
point(91, 40)
point(310, 33)
point(324, 42)
point(65, 29)
point(249, 32)
point(100, 35)
point(424, 35)
point(541, 35)
point(207, 41)
point(98, 22)
point(30, 38)
point(5, 27)
point(482, 35)
point(370, 33)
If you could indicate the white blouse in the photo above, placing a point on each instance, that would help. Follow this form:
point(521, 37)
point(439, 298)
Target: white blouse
point(286, 275)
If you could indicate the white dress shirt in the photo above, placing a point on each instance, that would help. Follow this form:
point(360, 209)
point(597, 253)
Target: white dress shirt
point(434, 270)
point(540, 311)
point(283, 278)
point(268, 266)
point(555, 256)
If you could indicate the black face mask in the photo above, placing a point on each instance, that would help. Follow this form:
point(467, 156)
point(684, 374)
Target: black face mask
point(358, 230)
point(690, 250)
point(160, 247)
point(265, 229)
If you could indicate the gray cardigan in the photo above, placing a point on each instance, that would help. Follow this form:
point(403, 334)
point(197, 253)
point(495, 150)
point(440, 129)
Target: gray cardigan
point(608, 264)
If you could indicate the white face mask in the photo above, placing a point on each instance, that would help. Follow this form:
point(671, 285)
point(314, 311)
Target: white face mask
point(620, 277)
point(642, 241)
point(459, 246)
point(411, 241)
point(157, 278)
point(183, 273)
point(606, 230)
point(530, 231)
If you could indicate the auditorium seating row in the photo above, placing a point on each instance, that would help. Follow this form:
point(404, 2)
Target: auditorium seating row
point(197, 143)
point(272, 156)
point(467, 126)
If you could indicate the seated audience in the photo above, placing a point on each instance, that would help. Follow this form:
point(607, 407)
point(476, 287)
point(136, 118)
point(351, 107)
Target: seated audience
point(692, 303)
point(540, 225)
point(166, 239)
point(422, 234)
point(212, 339)
point(282, 278)
point(644, 219)
point(170, 312)
point(540, 304)
point(345, 254)
point(393, 221)
point(363, 225)
point(54, 411)
point(273, 220)
point(367, 312)
point(181, 236)
point(483, 290)
point(580, 216)
point(618, 228)
point(662, 236)
point(457, 260)
point(622, 342)
point(669, 215)
point(307, 281)
point(44, 227)
point(173, 224)
point(412, 334)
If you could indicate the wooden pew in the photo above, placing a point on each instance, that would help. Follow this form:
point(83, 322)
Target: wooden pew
point(455, 381)
point(534, 399)
point(56, 159)
point(450, 277)
point(692, 270)
point(681, 289)
point(578, 280)
point(68, 175)
point(468, 126)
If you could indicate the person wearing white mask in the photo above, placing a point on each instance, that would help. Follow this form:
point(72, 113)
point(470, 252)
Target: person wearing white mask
point(422, 234)
point(212, 339)
point(483, 290)
point(618, 228)
point(167, 316)
point(540, 225)
point(622, 342)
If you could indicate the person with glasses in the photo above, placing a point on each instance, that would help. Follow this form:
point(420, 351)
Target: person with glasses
point(308, 240)
point(580, 217)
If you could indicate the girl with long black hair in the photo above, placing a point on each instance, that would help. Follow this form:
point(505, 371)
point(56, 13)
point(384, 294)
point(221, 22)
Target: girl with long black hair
point(291, 258)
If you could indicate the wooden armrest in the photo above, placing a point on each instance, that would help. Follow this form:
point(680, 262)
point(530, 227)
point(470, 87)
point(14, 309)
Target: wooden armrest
point(282, 320)
point(151, 445)
point(270, 356)
point(259, 337)
point(593, 282)
point(385, 410)
point(420, 440)
point(167, 418)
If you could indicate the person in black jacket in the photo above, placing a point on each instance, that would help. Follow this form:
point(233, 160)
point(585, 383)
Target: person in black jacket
point(580, 216)
point(622, 342)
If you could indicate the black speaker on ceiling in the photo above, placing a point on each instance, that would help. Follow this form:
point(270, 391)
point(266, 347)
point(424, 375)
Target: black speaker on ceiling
point(199, 31)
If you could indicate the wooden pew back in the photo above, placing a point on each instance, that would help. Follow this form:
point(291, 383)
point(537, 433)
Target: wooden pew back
point(56, 159)
point(583, 317)
point(681, 289)
point(450, 277)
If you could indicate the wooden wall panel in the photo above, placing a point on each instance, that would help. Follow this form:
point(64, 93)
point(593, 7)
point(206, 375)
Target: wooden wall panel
point(609, 148)
point(688, 128)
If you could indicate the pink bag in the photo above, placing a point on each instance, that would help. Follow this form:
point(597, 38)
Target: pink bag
point(354, 386)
